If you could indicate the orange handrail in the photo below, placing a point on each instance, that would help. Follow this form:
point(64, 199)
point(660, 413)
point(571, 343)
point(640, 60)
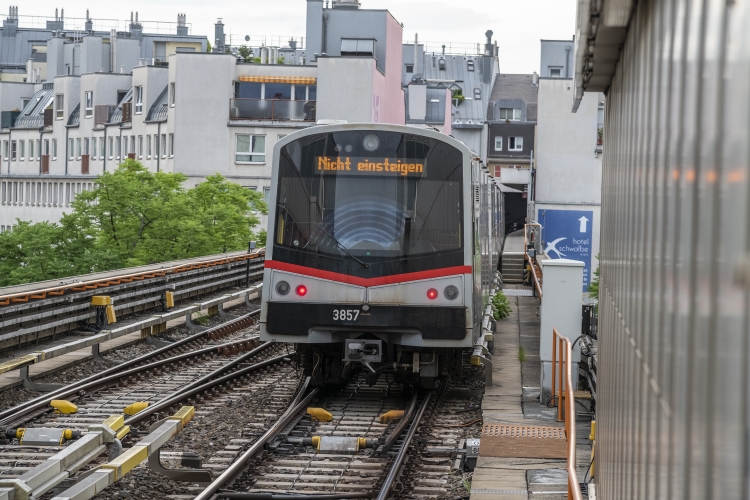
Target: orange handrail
point(565, 393)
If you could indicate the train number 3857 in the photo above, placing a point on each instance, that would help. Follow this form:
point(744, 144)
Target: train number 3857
point(345, 314)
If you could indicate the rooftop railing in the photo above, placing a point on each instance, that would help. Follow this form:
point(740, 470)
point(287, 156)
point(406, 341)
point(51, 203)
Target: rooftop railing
point(271, 110)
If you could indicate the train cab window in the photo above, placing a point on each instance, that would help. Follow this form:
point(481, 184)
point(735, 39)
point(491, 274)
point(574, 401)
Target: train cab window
point(375, 198)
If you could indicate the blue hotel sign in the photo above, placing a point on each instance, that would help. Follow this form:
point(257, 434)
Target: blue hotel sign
point(568, 234)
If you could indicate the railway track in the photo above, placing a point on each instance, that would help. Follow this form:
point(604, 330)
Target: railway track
point(235, 329)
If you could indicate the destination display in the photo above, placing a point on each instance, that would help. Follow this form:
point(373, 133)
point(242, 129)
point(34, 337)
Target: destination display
point(358, 165)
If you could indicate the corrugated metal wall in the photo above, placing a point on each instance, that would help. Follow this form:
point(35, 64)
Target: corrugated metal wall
point(673, 380)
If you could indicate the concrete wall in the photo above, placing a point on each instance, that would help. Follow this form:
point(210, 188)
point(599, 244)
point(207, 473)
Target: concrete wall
point(345, 88)
point(12, 94)
point(568, 175)
point(557, 54)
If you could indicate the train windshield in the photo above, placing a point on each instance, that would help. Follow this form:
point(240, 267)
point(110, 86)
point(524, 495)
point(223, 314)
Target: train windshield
point(369, 197)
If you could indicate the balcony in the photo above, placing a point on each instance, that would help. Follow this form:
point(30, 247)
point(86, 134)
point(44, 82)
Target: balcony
point(271, 110)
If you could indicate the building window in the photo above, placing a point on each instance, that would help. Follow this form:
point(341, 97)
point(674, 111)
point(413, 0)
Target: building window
point(46, 147)
point(93, 148)
point(111, 147)
point(140, 147)
point(124, 147)
point(250, 149)
point(54, 149)
point(410, 68)
point(118, 148)
point(5, 150)
point(31, 150)
point(477, 93)
point(498, 143)
point(38, 150)
point(163, 145)
point(132, 144)
point(78, 148)
point(555, 72)
point(101, 148)
point(171, 145)
point(509, 114)
point(280, 91)
point(138, 100)
point(156, 145)
point(59, 105)
point(312, 92)
point(267, 195)
point(148, 147)
point(89, 104)
point(86, 145)
point(470, 65)
point(13, 150)
point(171, 94)
point(515, 143)
point(21, 150)
point(71, 149)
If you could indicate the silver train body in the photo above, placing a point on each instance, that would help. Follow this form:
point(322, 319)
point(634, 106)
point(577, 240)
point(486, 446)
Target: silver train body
point(383, 243)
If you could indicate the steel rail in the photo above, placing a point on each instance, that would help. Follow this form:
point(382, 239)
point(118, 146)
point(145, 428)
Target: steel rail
point(238, 466)
point(102, 379)
point(394, 435)
point(399, 460)
point(186, 392)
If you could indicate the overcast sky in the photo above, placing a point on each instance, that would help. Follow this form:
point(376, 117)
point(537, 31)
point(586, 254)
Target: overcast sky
point(518, 24)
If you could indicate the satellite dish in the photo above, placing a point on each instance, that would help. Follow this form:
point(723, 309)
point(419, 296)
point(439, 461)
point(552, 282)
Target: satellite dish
point(247, 38)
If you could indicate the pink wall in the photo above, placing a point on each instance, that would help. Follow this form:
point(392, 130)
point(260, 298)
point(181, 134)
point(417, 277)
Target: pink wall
point(448, 126)
point(387, 94)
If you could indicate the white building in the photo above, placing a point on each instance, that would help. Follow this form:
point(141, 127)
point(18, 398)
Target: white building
point(198, 113)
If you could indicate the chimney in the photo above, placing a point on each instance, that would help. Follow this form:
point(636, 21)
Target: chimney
point(136, 28)
point(10, 23)
point(489, 49)
point(535, 79)
point(58, 23)
point(182, 29)
point(443, 49)
point(113, 51)
point(219, 38)
point(89, 24)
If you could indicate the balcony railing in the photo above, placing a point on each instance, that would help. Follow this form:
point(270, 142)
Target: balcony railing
point(271, 110)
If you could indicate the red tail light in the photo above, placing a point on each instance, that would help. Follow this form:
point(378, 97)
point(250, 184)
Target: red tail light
point(432, 294)
point(302, 290)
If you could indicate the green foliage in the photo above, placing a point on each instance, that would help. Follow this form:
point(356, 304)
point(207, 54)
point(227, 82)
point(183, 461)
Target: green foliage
point(256, 60)
point(208, 46)
point(522, 354)
point(501, 306)
point(201, 319)
point(466, 483)
point(260, 238)
point(246, 53)
point(594, 285)
point(281, 60)
point(458, 95)
point(133, 217)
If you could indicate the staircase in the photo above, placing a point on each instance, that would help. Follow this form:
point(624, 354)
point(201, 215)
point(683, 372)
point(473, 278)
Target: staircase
point(513, 265)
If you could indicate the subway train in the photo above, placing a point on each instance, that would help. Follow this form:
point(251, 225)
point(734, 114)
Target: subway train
point(383, 244)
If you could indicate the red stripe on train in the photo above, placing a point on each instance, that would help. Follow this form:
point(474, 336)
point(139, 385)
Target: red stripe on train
point(368, 282)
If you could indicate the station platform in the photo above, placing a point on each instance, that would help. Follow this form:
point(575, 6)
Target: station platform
point(54, 365)
point(513, 401)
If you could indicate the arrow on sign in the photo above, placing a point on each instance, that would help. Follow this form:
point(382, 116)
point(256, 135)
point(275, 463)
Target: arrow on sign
point(583, 221)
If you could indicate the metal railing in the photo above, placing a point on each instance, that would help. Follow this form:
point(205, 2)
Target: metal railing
point(563, 389)
point(271, 110)
point(532, 233)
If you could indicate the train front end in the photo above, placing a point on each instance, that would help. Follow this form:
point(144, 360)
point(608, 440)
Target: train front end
point(368, 260)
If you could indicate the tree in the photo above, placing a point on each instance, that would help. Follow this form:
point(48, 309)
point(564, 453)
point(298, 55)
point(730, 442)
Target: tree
point(246, 53)
point(133, 217)
point(208, 46)
point(594, 285)
point(227, 212)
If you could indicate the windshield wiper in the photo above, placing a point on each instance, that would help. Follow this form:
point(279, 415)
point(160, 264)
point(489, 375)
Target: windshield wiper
point(364, 265)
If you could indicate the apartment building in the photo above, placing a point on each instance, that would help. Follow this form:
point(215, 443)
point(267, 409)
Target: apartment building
point(196, 113)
